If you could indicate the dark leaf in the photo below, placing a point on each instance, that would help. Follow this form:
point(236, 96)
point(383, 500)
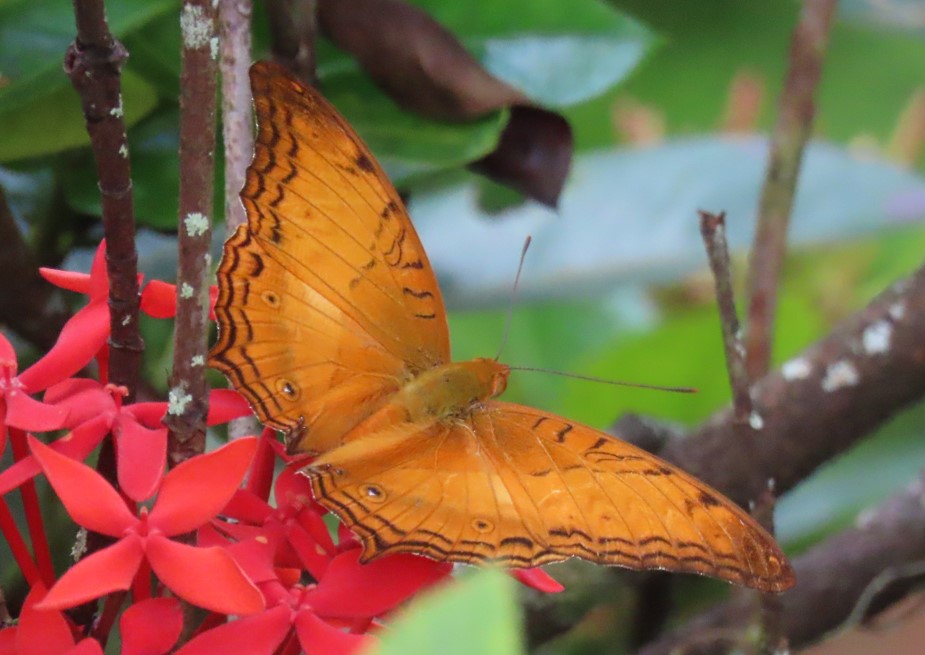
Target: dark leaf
point(533, 155)
point(427, 70)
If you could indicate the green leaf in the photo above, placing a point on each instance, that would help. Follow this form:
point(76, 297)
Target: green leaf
point(629, 217)
point(153, 147)
point(407, 144)
point(558, 53)
point(476, 614)
point(55, 122)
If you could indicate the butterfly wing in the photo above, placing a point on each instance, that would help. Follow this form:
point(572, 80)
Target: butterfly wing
point(327, 301)
point(523, 488)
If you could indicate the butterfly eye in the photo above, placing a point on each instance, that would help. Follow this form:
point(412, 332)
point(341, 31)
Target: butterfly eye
point(374, 492)
point(271, 298)
point(288, 389)
point(483, 526)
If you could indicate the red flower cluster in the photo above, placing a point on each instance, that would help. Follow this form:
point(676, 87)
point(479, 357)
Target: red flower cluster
point(271, 576)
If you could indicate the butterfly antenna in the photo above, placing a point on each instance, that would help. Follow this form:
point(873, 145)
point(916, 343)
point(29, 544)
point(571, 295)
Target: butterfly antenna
point(510, 311)
point(618, 383)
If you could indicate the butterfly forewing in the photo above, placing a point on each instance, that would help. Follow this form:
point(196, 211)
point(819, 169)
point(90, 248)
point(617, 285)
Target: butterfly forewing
point(327, 302)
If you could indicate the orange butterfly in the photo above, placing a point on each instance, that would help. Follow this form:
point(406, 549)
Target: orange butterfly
point(332, 325)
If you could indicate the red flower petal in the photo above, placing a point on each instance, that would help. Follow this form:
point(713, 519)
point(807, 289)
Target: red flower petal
point(159, 299)
point(41, 631)
point(87, 647)
point(255, 635)
point(260, 477)
point(151, 627)
point(76, 444)
point(213, 295)
point(245, 506)
point(26, 413)
point(209, 479)
point(87, 497)
point(311, 555)
point(225, 405)
point(319, 638)
point(181, 568)
point(255, 557)
point(80, 339)
point(537, 579)
point(148, 414)
point(99, 279)
point(313, 522)
point(7, 355)
point(352, 590)
point(68, 280)
point(105, 571)
point(82, 398)
point(292, 488)
point(142, 456)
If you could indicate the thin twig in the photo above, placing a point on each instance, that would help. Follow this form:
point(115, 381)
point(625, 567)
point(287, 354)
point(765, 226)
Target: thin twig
point(188, 395)
point(791, 132)
point(713, 231)
point(237, 126)
point(5, 618)
point(94, 62)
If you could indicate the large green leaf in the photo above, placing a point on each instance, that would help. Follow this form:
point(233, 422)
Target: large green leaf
point(630, 217)
point(55, 122)
point(476, 614)
point(39, 110)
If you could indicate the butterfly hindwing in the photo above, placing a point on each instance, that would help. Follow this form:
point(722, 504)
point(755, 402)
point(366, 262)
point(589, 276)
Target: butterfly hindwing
point(522, 488)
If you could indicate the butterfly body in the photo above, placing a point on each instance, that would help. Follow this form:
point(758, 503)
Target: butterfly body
point(332, 325)
point(451, 390)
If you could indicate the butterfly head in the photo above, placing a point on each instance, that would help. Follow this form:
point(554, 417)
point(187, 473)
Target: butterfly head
point(492, 374)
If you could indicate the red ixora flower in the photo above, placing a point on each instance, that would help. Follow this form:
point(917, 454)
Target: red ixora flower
point(149, 627)
point(93, 410)
point(188, 497)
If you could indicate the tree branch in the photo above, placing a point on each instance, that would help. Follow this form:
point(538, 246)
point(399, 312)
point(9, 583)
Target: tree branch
point(794, 124)
point(818, 404)
point(237, 113)
point(188, 396)
point(834, 577)
point(94, 62)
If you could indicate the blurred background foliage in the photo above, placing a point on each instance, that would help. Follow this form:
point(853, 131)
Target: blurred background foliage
point(669, 101)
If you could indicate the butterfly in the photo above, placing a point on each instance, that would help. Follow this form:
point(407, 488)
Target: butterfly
point(332, 325)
